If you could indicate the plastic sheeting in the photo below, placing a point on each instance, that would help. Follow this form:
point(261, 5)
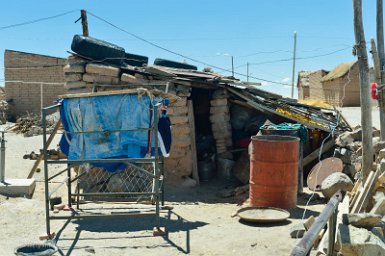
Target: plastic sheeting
point(101, 127)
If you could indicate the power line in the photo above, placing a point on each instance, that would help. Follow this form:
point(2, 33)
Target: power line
point(37, 20)
point(299, 58)
point(176, 53)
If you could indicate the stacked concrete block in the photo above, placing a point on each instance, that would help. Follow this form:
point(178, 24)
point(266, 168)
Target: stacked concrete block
point(81, 76)
point(220, 123)
point(73, 74)
point(180, 161)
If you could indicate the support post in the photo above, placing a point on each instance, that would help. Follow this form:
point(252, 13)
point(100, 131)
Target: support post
point(46, 187)
point(366, 114)
point(381, 56)
point(2, 158)
point(293, 73)
point(376, 61)
point(232, 65)
point(191, 121)
point(247, 71)
point(83, 15)
point(41, 96)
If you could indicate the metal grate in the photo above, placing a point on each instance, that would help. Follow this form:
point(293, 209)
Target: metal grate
point(130, 180)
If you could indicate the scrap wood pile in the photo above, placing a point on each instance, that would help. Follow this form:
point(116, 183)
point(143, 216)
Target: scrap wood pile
point(360, 225)
point(31, 125)
point(310, 116)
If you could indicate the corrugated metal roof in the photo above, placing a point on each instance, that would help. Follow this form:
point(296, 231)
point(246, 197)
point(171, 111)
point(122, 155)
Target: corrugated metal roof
point(339, 71)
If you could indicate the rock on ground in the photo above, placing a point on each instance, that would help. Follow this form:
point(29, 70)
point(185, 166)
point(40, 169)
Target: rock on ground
point(297, 231)
point(335, 182)
point(361, 220)
point(352, 241)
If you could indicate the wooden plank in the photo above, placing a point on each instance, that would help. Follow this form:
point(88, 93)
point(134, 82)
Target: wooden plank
point(263, 108)
point(41, 156)
point(191, 121)
point(363, 198)
point(172, 97)
point(157, 71)
point(314, 155)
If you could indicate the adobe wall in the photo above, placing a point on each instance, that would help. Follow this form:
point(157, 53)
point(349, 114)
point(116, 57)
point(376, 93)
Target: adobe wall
point(23, 72)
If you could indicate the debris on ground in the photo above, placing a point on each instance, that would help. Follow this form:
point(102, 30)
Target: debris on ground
point(31, 124)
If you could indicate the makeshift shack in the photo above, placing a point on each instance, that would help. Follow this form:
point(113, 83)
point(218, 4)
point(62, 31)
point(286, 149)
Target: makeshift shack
point(213, 116)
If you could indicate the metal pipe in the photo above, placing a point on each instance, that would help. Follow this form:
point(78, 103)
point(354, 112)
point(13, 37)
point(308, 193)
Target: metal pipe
point(78, 177)
point(306, 243)
point(45, 157)
point(58, 186)
point(81, 216)
point(2, 158)
point(57, 174)
point(113, 193)
point(117, 160)
point(156, 166)
point(51, 107)
point(69, 185)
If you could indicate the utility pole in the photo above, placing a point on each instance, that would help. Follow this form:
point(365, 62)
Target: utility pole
point(232, 65)
point(366, 114)
point(293, 74)
point(83, 15)
point(376, 61)
point(381, 56)
point(247, 64)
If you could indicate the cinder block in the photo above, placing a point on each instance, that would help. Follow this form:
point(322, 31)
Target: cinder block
point(76, 68)
point(102, 70)
point(128, 78)
point(18, 187)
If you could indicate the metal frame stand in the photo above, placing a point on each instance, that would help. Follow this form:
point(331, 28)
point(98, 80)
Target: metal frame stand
point(157, 193)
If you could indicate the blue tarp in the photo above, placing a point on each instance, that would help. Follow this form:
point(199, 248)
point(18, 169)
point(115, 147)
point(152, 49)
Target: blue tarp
point(107, 114)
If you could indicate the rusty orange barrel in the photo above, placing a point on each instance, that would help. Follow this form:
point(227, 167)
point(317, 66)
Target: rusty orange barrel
point(274, 171)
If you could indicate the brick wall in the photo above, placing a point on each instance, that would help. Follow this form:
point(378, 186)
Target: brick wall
point(30, 68)
point(311, 88)
point(345, 90)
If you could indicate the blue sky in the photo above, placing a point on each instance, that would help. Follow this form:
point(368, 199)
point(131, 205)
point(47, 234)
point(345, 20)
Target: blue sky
point(209, 31)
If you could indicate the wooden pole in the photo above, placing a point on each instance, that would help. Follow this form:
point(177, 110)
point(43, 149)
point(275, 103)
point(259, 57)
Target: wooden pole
point(376, 61)
point(380, 34)
point(293, 73)
point(247, 71)
point(232, 66)
point(41, 156)
point(381, 55)
point(191, 121)
point(83, 15)
point(366, 114)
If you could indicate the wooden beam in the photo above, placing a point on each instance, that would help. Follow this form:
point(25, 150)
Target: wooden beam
point(314, 155)
point(265, 109)
point(41, 156)
point(143, 91)
point(191, 121)
point(363, 198)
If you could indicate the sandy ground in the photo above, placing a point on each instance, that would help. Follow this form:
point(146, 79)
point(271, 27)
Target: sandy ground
point(353, 115)
point(199, 224)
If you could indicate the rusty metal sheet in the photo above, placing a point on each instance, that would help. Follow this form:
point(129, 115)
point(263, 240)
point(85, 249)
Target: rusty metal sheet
point(322, 170)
